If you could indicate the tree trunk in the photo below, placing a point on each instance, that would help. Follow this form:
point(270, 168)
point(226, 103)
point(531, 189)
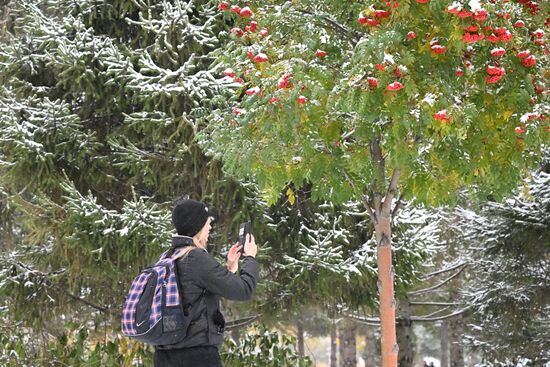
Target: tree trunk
point(300, 337)
point(235, 335)
point(405, 336)
point(380, 212)
point(456, 324)
point(385, 289)
point(370, 349)
point(333, 337)
point(348, 349)
point(456, 328)
point(444, 344)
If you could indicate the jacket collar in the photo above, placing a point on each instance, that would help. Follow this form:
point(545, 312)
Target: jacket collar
point(182, 241)
point(179, 240)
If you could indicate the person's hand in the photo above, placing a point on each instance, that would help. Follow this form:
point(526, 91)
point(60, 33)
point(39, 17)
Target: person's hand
point(233, 257)
point(250, 248)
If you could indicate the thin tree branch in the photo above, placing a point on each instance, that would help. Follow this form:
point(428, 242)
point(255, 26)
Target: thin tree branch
point(86, 302)
point(368, 323)
point(431, 319)
point(443, 270)
point(339, 28)
point(378, 203)
point(434, 303)
point(426, 290)
point(444, 309)
point(386, 206)
point(356, 214)
point(49, 283)
point(397, 207)
point(364, 320)
point(373, 216)
point(373, 321)
point(350, 181)
point(235, 324)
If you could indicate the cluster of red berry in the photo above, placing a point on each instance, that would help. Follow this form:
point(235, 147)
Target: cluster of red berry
point(244, 12)
point(473, 33)
point(442, 116)
point(533, 6)
point(478, 30)
point(260, 57)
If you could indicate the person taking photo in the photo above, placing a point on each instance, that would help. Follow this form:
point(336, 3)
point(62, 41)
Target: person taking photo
point(204, 282)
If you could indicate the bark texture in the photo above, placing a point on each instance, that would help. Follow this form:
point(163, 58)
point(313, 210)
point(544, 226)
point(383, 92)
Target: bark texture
point(348, 348)
point(300, 337)
point(456, 330)
point(333, 343)
point(370, 347)
point(385, 290)
point(444, 344)
point(405, 336)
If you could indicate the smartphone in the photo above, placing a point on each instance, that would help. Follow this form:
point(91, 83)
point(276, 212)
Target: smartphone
point(244, 230)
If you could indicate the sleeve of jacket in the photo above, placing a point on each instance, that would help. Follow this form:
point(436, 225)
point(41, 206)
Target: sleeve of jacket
point(216, 278)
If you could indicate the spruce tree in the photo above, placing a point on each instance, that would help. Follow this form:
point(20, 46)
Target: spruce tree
point(509, 283)
point(99, 106)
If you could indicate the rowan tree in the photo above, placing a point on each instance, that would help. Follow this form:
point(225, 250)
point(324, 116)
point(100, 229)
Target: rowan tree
point(382, 101)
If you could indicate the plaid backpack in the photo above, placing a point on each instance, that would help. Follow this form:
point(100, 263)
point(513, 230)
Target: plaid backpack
point(153, 310)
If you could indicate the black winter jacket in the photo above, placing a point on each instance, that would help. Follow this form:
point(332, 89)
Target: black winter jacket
point(198, 272)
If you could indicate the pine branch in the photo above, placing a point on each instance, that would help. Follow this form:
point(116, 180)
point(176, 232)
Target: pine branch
point(444, 270)
point(434, 304)
point(432, 319)
point(11, 328)
point(235, 324)
point(45, 279)
point(427, 290)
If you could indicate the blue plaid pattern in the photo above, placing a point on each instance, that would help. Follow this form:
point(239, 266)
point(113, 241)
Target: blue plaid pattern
point(129, 309)
point(172, 297)
point(156, 307)
point(172, 294)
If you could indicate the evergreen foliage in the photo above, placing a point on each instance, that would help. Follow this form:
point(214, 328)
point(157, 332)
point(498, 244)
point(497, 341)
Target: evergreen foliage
point(509, 284)
point(263, 347)
point(98, 112)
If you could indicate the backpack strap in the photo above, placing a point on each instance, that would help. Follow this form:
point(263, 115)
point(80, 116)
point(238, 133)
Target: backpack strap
point(177, 242)
point(185, 307)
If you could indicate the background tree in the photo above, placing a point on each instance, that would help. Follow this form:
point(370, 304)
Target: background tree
point(510, 275)
point(494, 256)
point(343, 97)
point(98, 109)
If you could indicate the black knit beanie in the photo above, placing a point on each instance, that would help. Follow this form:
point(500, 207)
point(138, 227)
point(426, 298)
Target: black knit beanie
point(189, 216)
